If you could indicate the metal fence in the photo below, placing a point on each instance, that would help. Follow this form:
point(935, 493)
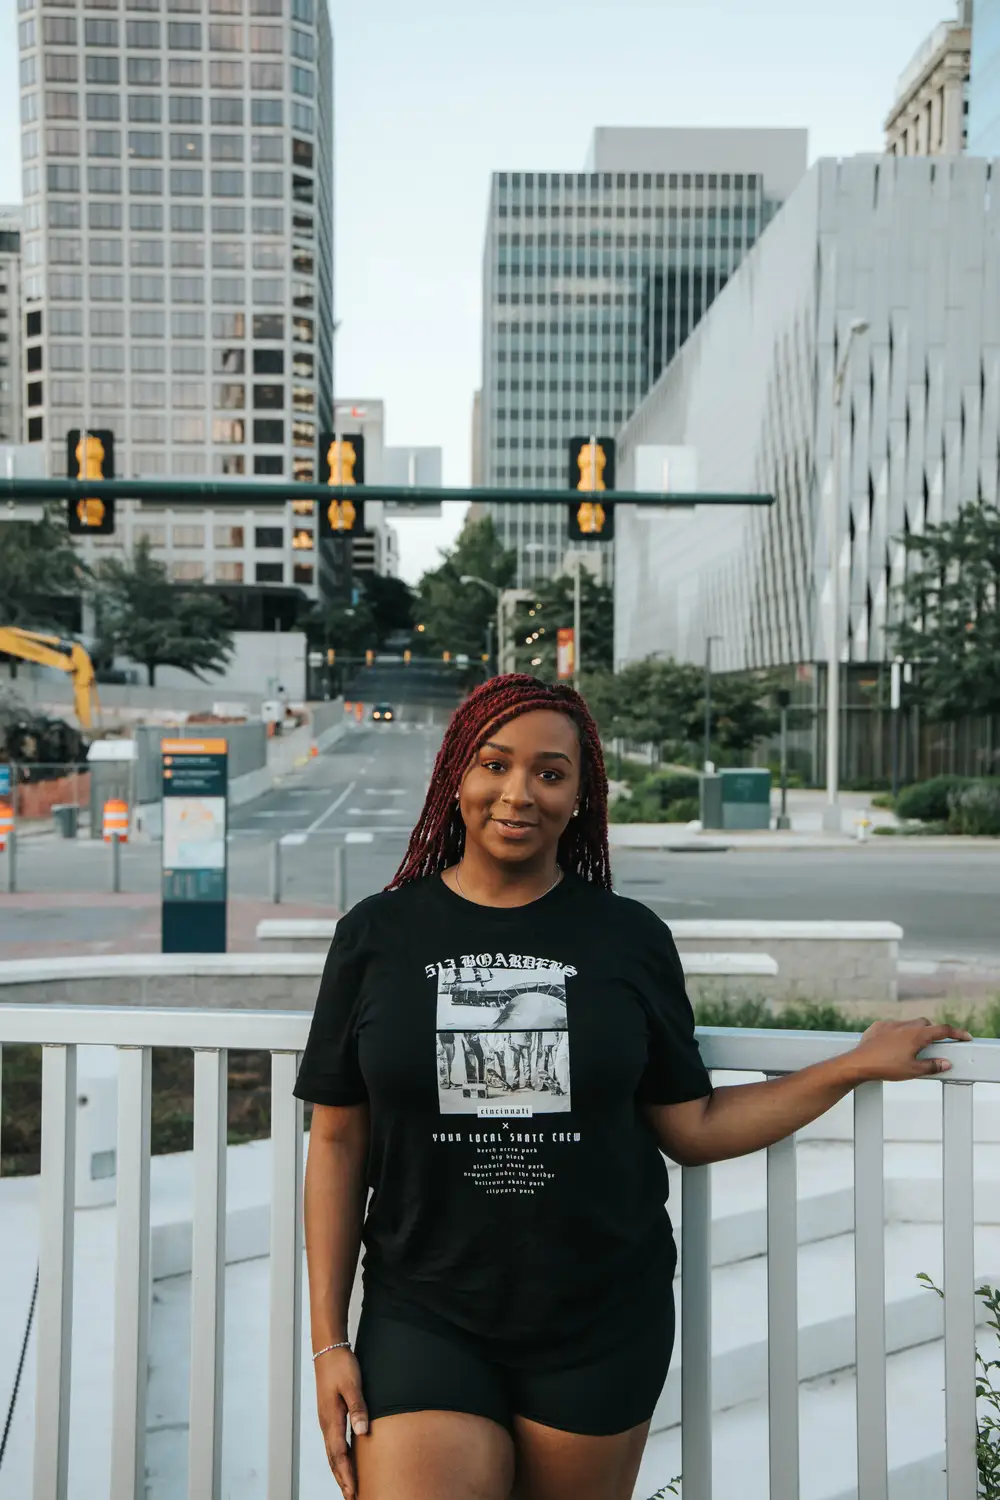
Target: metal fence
point(61, 1029)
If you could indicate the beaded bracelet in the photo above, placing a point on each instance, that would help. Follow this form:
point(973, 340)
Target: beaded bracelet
point(345, 1345)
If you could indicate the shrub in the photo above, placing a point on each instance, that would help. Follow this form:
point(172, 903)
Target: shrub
point(803, 1015)
point(883, 799)
point(684, 810)
point(928, 801)
point(975, 809)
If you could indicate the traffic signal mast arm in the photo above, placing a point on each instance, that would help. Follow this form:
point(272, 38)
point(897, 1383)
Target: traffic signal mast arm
point(217, 494)
point(67, 656)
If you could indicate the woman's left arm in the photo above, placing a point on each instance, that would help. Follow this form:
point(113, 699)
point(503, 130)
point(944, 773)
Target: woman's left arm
point(736, 1120)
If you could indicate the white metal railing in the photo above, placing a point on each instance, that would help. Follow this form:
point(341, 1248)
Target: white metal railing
point(211, 1033)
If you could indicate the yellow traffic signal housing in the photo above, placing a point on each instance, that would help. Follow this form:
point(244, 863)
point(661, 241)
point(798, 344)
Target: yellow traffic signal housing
point(341, 463)
point(592, 471)
point(369, 658)
point(331, 657)
point(90, 454)
point(407, 656)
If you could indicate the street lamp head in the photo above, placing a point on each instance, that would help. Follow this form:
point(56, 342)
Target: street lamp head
point(859, 326)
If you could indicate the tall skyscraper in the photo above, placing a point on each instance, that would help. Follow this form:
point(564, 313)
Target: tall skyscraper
point(984, 88)
point(11, 343)
point(592, 282)
point(178, 245)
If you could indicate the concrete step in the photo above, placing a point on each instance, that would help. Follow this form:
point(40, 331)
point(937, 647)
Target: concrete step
point(914, 1315)
point(827, 1436)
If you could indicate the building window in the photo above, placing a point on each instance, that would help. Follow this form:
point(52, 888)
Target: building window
point(188, 429)
point(302, 573)
point(142, 33)
point(268, 257)
point(229, 397)
point(57, 31)
point(63, 67)
point(268, 397)
point(144, 72)
point(226, 75)
point(302, 153)
point(228, 288)
point(303, 433)
point(304, 11)
point(145, 179)
point(267, 537)
point(145, 107)
point(227, 111)
point(106, 288)
point(67, 215)
point(228, 463)
point(65, 251)
point(35, 357)
point(268, 361)
point(184, 36)
point(303, 45)
point(229, 326)
point(229, 572)
point(227, 148)
point(303, 365)
point(155, 536)
point(228, 255)
point(303, 81)
point(187, 288)
point(105, 252)
point(186, 145)
point(229, 536)
point(268, 463)
point(266, 111)
point(144, 216)
point(187, 572)
point(187, 182)
point(267, 148)
point(33, 326)
point(61, 104)
point(35, 393)
point(187, 361)
point(268, 326)
point(267, 76)
point(104, 179)
point(107, 323)
point(35, 430)
point(185, 109)
point(149, 393)
point(302, 330)
point(269, 572)
point(104, 143)
point(268, 220)
point(100, 33)
point(187, 216)
point(225, 36)
point(187, 253)
point(145, 143)
point(268, 290)
point(304, 471)
point(228, 430)
point(268, 185)
point(302, 540)
point(302, 116)
point(268, 430)
point(227, 183)
point(303, 398)
point(147, 288)
point(147, 325)
point(147, 359)
point(185, 73)
point(187, 325)
point(188, 393)
point(227, 220)
point(147, 429)
point(265, 7)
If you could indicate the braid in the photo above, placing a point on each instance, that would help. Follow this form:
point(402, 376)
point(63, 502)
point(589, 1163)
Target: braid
point(439, 836)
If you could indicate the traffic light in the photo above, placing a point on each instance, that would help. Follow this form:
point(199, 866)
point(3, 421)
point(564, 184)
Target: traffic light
point(90, 454)
point(331, 657)
point(592, 471)
point(341, 462)
point(407, 656)
point(446, 656)
point(369, 658)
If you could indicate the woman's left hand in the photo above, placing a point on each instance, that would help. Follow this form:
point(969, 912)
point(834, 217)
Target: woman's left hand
point(888, 1049)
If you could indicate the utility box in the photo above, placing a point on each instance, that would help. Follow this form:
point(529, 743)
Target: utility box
point(710, 790)
point(746, 799)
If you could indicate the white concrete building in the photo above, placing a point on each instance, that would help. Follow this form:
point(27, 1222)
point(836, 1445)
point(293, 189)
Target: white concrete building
point(592, 281)
point(177, 250)
point(911, 246)
point(11, 332)
point(930, 115)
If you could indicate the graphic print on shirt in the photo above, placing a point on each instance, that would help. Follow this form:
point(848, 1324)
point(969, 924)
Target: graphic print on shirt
point(502, 1040)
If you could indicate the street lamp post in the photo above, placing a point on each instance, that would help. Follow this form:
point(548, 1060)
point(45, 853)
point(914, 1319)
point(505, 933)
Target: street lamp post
point(831, 813)
point(708, 701)
point(497, 592)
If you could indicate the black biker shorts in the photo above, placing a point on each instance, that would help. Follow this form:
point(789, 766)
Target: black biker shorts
point(406, 1367)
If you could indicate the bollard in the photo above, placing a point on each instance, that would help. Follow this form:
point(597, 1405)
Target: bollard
point(276, 872)
point(116, 864)
point(340, 878)
point(12, 862)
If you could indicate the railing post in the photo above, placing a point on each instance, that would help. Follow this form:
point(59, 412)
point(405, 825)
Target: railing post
point(959, 1291)
point(12, 861)
point(696, 1332)
point(340, 878)
point(783, 1321)
point(55, 1272)
point(130, 1372)
point(869, 1292)
point(208, 1274)
point(116, 864)
point(276, 872)
point(285, 1330)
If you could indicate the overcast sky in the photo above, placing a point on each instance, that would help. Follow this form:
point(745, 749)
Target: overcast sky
point(431, 98)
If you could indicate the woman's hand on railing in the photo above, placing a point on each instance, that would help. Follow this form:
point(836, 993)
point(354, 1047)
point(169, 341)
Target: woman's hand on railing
point(339, 1398)
point(888, 1050)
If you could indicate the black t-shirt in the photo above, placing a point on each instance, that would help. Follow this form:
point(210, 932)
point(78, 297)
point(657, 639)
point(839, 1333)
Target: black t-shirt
point(517, 1192)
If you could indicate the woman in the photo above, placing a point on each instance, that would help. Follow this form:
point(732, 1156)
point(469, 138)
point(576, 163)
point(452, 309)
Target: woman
point(518, 1314)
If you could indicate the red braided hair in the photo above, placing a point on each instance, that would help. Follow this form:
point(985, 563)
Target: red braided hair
point(439, 836)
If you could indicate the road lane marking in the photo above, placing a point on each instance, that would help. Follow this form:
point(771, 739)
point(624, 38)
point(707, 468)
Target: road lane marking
point(332, 808)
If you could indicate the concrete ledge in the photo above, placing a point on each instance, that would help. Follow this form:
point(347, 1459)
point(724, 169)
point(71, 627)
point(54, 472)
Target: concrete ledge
point(821, 961)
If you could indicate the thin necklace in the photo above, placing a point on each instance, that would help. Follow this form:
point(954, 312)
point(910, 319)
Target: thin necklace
point(559, 876)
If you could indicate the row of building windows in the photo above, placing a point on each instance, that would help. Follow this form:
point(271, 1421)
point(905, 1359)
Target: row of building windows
point(184, 218)
point(144, 323)
point(183, 181)
point(179, 36)
point(192, 325)
point(145, 72)
point(302, 10)
point(224, 538)
point(225, 254)
point(102, 287)
point(554, 181)
point(193, 570)
point(225, 396)
point(183, 109)
point(149, 145)
point(266, 431)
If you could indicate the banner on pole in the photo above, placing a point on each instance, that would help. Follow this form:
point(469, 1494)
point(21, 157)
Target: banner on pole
point(565, 652)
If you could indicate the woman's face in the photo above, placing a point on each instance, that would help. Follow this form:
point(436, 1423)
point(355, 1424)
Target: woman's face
point(519, 793)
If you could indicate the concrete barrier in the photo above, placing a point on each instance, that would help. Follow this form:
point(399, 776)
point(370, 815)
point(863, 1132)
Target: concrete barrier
point(835, 961)
point(243, 981)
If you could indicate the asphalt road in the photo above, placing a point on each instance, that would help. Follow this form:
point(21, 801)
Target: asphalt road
point(371, 787)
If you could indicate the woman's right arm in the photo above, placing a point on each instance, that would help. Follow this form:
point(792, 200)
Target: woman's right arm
point(334, 1212)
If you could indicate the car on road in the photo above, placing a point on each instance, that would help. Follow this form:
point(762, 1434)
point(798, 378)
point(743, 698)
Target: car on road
point(383, 713)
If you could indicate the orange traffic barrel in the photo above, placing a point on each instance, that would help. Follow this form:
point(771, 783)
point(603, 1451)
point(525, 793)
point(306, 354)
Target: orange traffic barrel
point(6, 823)
point(359, 709)
point(116, 821)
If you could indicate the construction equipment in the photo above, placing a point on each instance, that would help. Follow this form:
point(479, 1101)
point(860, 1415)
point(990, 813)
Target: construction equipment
point(66, 656)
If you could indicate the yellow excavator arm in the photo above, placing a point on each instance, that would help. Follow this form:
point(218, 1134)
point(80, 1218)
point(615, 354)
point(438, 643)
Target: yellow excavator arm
point(67, 656)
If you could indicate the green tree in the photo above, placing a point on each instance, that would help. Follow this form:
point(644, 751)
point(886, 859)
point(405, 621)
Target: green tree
point(552, 610)
point(351, 629)
point(950, 605)
point(38, 566)
point(456, 617)
point(391, 602)
point(142, 615)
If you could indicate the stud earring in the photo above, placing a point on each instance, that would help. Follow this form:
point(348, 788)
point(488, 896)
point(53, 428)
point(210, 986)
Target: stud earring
point(576, 812)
